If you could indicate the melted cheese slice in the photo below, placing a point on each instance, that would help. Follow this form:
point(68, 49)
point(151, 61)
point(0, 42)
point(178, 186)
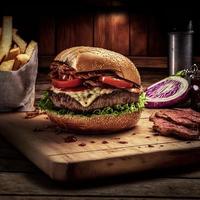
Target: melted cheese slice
point(85, 97)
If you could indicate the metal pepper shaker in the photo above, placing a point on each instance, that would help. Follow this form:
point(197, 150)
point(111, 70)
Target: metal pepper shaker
point(180, 49)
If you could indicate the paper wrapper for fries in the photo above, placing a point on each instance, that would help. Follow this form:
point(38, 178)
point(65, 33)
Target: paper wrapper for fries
point(17, 88)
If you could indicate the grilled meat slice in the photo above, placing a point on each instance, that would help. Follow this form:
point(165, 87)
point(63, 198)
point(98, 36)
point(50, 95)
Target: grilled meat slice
point(189, 112)
point(179, 117)
point(167, 128)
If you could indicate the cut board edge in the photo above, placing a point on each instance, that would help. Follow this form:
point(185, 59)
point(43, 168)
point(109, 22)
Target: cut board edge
point(128, 164)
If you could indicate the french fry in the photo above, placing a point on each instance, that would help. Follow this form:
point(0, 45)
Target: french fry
point(12, 54)
point(6, 37)
point(7, 65)
point(19, 41)
point(30, 48)
point(20, 60)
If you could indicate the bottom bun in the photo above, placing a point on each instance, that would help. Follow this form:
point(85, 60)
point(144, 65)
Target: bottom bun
point(95, 123)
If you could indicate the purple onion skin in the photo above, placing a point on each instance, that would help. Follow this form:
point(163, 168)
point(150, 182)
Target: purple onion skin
point(182, 98)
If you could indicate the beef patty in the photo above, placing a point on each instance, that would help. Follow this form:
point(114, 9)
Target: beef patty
point(118, 97)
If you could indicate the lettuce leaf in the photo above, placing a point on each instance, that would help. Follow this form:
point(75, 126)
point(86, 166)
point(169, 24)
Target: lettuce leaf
point(46, 104)
point(181, 73)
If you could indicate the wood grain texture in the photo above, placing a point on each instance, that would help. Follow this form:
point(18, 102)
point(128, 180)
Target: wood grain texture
point(138, 35)
point(139, 61)
point(74, 30)
point(14, 162)
point(46, 36)
point(149, 62)
point(124, 152)
point(20, 181)
point(111, 31)
point(148, 33)
point(33, 184)
point(38, 197)
point(157, 37)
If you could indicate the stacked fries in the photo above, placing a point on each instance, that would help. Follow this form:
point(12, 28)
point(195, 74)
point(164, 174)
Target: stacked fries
point(14, 51)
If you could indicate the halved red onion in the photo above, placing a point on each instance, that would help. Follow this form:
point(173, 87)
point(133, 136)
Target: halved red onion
point(167, 92)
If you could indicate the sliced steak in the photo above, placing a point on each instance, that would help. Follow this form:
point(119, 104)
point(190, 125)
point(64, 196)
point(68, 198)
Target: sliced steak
point(190, 112)
point(167, 128)
point(178, 117)
point(118, 97)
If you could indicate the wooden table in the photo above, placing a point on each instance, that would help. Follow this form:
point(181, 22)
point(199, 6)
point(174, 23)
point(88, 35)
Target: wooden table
point(20, 179)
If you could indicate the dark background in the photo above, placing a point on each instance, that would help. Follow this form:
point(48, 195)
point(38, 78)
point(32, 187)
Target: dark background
point(138, 30)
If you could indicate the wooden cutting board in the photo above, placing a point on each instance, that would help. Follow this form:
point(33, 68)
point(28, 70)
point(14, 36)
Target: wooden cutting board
point(93, 156)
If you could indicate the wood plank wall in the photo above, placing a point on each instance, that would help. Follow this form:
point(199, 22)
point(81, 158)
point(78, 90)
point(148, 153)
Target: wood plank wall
point(134, 35)
point(140, 36)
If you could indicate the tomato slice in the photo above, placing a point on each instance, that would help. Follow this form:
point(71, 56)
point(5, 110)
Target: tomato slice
point(66, 83)
point(119, 83)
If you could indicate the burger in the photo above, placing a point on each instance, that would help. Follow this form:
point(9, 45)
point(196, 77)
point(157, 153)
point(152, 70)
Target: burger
point(93, 90)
